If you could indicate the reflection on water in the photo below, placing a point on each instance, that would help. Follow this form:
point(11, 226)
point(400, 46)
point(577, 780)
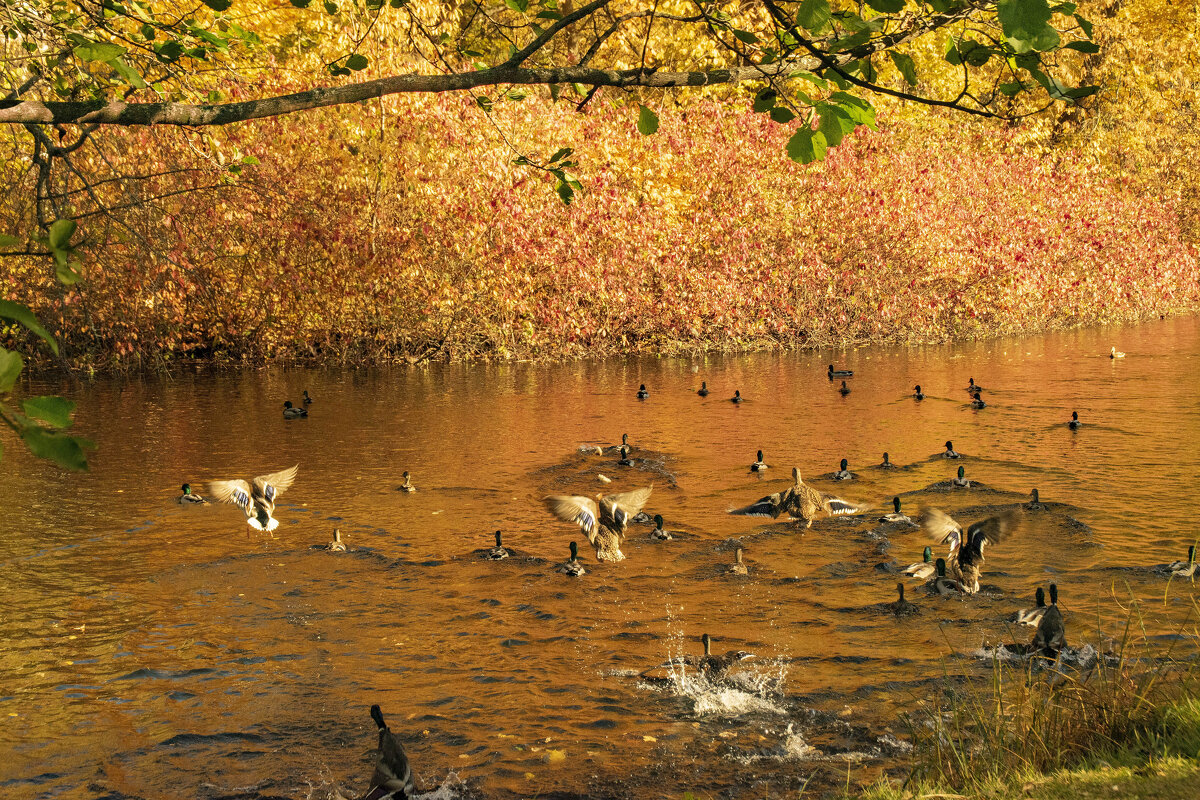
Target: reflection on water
point(151, 649)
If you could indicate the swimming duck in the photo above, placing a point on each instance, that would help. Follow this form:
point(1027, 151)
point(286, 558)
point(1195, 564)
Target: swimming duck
point(643, 393)
point(658, 534)
point(1074, 423)
point(758, 465)
point(839, 373)
point(896, 517)
point(950, 452)
point(407, 486)
point(966, 548)
point(188, 497)
point(972, 388)
point(715, 667)
point(845, 390)
point(616, 448)
point(917, 393)
point(257, 500)
point(1034, 504)
point(887, 463)
point(925, 569)
point(902, 607)
point(1184, 569)
point(499, 551)
point(572, 566)
point(703, 391)
point(1115, 353)
point(291, 412)
point(307, 400)
point(1032, 616)
point(392, 779)
point(800, 501)
point(941, 585)
point(737, 567)
point(977, 401)
point(625, 460)
point(737, 396)
point(603, 520)
point(337, 545)
point(961, 481)
point(1051, 636)
point(843, 474)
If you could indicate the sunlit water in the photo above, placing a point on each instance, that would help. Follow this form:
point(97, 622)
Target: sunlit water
point(161, 651)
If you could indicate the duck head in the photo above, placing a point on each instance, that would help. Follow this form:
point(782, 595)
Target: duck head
point(949, 446)
point(971, 382)
point(1039, 597)
point(704, 385)
point(642, 388)
point(574, 551)
point(1075, 416)
point(737, 394)
point(306, 394)
point(498, 539)
point(845, 464)
point(707, 642)
point(337, 535)
point(737, 557)
point(831, 367)
point(917, 388)
point(900, 589)
point(658, 522)
point(405, 476)
point(961, 472)
point(927, 556)
point(1054, 594)
point(844, 386)
point(187, 488)
point(796, 475)
point(896, 508)
point(939, 567)
point(760, 455)
point(1034, 493)
point(886, 459)
point(625, 439)
point(287, 403)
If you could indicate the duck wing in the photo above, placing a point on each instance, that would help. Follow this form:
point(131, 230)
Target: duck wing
point(992, 529)
point(616, 510)
point(834, 505)
point(275, 484)
point(770, 506)
point(941, 526)
point(236, 492)
point(574, 508)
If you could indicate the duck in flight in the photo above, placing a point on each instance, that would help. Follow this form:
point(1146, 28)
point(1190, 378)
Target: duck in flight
point(967, 546)
point(603, 519)
point(256, 499)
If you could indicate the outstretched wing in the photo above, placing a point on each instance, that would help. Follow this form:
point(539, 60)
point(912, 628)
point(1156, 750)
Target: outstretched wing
point(275, 484)
point(236, 492)
point(992, 529)
point(939, 525)
point(625, 506)
point(836, 506)
point(770, 506)
point(573, 508)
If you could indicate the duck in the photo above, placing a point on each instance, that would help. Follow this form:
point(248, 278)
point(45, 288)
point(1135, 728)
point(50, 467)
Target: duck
point(759, 465)
point(1050, 637)
point(843, 474)
point(1074, 423)
point(977, 401)
point(972, 388)
point(625, 460)
point(291, 412)
point(941, 585)
point(407, 486)
point(256, 499)
point(738, 567)
point(337, 545)
point(966, 547)
point(603, 519)
point(1184, 569)
point(917, 393)
point(703, 390)
point(844, 390)
point(949, 451)
point(840, 373)
point(572, 567)
point(902, 607)
point(392, 779)
point(1035, 503)
point(307, 399)
point(499, 551)
point(715, 667)
point(961, 481)
point(800, 501)
point(737, 396)
point(188, 496)
point(897, 517)
point(1115, 353)
point(643, 393)
point(925, 569)
point(658, 534)
point(616, 448)
point(1032, 616)
point(887, 462)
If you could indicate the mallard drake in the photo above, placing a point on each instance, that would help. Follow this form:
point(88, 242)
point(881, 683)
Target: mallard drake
point(188, 496)
point(738, 567)
point(1184, 569)
point(407, 486)
point(759, 465)
point(307, 400)
point(840, 373)
point(925, 569)
point(800, 501)
point(625, 460)
point(499, 551)
point(1035, 504)
point(966, 549)
point(1115, 353)
point(616, 448)
point(337, 545)
point(844, 390)
point(843, 473)
point(715, 667)
point(897, 517)
point(961, 481)
point(643, 393)
point(1074, 423)
point(737, 396)
point(291, 412)
point(977, 401)
point(257, 500)
point(602, 520)
point(949, 452)
point(902, 607)
point(572, 566)
point(703, 390)
point(887, 462)
point(917, 393)
point(658, 534)
point(941, 585)
point(1050, 637)
point(973, 388)
point(1032, 616)
point(392, 779)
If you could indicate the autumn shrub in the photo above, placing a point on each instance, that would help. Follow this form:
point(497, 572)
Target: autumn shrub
point(404, 229)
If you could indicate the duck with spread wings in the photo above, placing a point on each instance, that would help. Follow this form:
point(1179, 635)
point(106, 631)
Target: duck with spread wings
point(800, 501)
point(257, 500)
point(603, 519)
point(966, 547)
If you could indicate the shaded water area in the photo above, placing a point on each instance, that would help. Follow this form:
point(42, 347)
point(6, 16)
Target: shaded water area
point(154, 650)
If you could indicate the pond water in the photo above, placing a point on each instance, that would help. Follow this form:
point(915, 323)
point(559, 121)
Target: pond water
point(149, 649)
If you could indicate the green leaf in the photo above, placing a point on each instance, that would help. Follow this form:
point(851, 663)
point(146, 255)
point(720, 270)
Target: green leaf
point(806, 146)
point(128, 74)
point(1026, 25)
point(1011, 89)
point(764, 101)
point(1082, 92)
point(813, 15)
point(1066, 9)
point(830, 127)
point(301, 3)
point(815, 80)
point(850, 42)
point(11, 365)
point(1085, 24)
point(647, 123)
point(886, 6)
point(1083, 46)
point(782, 115)
point(23, 316)
point(561, 153)
point(54, 411)
point(356, 62)
point(974, 53)
point(218, 5)
point(330, 7)
point(61, 231)
point(67, 270)
point(99, 51)
point(64, 450)
point(250, 160)
point(169, 50)
point(745, 36)
point(8, 241)
point(906, 66)
point(518, 5)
